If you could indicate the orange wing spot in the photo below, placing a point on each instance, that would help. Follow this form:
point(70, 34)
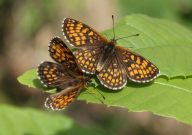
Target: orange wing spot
point(135, 71)
point(91, 65)
point(87, 62)
point(50, 79)
point(113, 81)
point(79, 25)
point(78, 31)
point(83, 61)
point(45, 72)
point(91, 41)
point(115, 70)
point(53, 75)
point(77, 38)
point(150, 68)
point(85, 66)
point(55, 56)
point(140, 71)
point(80, 34)
point(85, 30)
point(131, 73)
point(138, 60)
point(90, 33)
point(75, 34)
point(72, 24)
point(106, 75)
point(70, 28)
point(83, 38)
point(78, 28)
point(144, 72)
point(117, 80)
point(145, 62)
point(132, 57)
point(80, 58)
point(133, 65)
point(77, 43)
point(129, 68)
point(72, 31)
point(147, 71)
point(125, 60)
point(142, 76)
point(70, 35)
point(48, 76)
point(141, 67)
point(110, 77)
point(58, 54)
point(83, 42)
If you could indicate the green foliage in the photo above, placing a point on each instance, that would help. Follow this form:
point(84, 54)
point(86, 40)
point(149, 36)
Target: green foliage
point(15, 121)
point(166, 44)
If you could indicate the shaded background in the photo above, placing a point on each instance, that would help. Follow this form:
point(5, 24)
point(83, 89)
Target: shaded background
point(26, 26)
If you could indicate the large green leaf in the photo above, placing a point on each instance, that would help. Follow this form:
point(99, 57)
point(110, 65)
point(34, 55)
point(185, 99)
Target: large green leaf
point(164, 97)
point(17, 121)
point(166, 44)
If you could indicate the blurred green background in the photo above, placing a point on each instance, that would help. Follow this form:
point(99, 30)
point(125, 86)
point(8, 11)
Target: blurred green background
point(26, 26)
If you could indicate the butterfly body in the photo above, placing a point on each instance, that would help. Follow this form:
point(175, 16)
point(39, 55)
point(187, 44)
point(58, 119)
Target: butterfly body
point(112, 64)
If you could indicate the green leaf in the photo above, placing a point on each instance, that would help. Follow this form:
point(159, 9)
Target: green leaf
point(165, 43)
point(17, 121)
point(171, 98)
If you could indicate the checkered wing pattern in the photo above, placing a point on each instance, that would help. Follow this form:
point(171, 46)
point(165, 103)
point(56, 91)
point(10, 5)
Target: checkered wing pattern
point(112, 75)
point(78, 34)
point(137, 67)
point(53, 74)
point(62, 99)
point(61, 54)
point(88, 59)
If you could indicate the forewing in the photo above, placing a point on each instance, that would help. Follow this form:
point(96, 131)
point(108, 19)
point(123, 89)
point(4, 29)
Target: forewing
point(88, 59)
point(137, 67)
point(62, 99)
point(62, 54)
point(53, 74)
point(112, 75)
point(78, 34)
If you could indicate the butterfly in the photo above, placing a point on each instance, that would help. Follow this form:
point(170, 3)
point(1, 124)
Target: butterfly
point(112, 64)
point(65, 75)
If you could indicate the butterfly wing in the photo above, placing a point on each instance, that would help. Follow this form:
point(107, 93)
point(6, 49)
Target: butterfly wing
point(62, 99)
point(53, 74)
point(88, 59)
point(112, 75)
point(78, 34)
point(137, 67)
point(62, 54)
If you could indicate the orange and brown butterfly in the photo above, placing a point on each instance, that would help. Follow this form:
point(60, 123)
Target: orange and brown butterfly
point(65, 75)
point(112, 64)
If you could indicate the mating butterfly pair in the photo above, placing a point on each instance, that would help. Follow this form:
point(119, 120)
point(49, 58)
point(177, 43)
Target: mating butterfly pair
point(112, 64)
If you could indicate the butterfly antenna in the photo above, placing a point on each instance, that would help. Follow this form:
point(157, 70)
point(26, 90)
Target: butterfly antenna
point(100, 94)
point(128, 36)
point(113, 27)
